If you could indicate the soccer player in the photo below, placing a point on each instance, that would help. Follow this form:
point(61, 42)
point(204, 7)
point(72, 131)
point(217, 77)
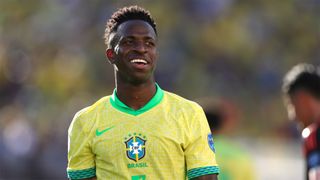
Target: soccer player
point(302, 89)
point(140, 131)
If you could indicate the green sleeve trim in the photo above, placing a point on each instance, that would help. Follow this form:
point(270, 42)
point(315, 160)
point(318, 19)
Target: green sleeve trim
point(156, 99)
point(196, 172)
point(81, 174)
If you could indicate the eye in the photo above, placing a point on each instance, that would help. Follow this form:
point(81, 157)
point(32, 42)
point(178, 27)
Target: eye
point(127, 42)
point(150, 43)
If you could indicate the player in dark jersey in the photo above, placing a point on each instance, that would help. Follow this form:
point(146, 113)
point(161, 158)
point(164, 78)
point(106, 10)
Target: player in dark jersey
point(301, 87)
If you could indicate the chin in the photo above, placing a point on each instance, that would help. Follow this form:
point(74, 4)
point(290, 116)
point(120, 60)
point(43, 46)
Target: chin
point(139, 81)
point(136, 80)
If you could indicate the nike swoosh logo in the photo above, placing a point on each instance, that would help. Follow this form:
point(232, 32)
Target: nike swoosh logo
point(99, 133)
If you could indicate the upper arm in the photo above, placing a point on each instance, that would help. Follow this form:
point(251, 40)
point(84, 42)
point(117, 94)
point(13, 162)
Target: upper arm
point(81, 159)
point(200, 152)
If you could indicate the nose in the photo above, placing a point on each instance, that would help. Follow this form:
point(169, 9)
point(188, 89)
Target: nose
point(140, 47)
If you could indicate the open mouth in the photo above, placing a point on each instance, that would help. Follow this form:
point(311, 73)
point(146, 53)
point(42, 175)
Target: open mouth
point(139, 61)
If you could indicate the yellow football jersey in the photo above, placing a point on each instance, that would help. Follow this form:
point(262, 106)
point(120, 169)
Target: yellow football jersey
point(168, 138)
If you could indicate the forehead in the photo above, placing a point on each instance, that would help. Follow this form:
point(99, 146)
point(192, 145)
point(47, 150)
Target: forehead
point(136, 28)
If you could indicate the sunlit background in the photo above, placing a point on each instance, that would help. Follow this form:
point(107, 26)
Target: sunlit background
point(52, 64)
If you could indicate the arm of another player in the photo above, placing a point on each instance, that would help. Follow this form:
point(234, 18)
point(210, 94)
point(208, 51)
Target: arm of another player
point(207, 177)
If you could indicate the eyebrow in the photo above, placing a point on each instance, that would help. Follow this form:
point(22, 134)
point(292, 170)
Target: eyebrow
point(133, 37)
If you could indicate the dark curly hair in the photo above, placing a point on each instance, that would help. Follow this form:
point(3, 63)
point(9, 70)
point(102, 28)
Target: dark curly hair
point(302, 76)
point(125, 14)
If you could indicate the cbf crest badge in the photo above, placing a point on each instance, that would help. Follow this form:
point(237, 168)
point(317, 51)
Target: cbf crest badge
point(135, 147)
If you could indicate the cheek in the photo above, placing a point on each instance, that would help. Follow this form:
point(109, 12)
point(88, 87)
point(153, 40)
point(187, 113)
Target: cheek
point(302, 112)
point(154, 54)
point(299, 112)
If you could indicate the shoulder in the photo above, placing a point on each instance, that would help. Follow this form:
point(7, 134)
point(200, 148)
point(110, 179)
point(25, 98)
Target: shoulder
point(181, 102)
point(311, 138)
point(92, 109)
point(85, 117)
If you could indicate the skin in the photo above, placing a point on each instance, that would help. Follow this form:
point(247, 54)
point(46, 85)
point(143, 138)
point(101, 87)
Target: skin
point(136, 40)
point(136, 86)
point(305, 107)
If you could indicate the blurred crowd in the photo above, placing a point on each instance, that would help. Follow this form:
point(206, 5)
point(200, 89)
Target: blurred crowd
point(52, 64)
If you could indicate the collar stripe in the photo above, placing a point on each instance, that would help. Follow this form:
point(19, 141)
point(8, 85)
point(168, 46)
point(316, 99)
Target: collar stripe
point(155, 100)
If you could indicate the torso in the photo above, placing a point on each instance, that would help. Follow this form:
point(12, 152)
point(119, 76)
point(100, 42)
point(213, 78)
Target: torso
point(312, 151)
point(163, 142)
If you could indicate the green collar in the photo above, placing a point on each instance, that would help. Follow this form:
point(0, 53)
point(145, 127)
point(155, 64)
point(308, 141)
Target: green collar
point(156, 99)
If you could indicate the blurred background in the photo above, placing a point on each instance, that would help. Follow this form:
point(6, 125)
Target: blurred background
point(52, 64)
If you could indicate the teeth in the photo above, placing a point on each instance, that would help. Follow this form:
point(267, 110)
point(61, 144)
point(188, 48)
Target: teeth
point(138, 61)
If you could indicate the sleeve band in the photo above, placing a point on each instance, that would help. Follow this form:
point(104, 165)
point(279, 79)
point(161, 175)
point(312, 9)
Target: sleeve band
point(196, 172)
point(81, 174)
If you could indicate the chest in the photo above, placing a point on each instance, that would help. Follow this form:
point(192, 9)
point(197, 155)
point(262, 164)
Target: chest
point(122, 139)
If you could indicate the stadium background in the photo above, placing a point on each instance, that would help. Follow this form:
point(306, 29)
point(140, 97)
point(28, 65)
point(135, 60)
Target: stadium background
point(52, 64)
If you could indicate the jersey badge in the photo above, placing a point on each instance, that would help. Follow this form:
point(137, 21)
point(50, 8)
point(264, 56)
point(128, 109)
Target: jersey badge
point(211, 143)
point(135, 146)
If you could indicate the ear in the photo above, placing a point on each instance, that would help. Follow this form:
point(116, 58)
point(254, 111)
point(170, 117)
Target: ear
point(110, 55)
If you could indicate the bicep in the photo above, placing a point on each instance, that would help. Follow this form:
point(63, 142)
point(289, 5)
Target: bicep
point(200, 152)
point(81, 159)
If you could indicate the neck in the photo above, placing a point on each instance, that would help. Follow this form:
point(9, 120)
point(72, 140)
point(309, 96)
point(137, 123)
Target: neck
point(135, 95)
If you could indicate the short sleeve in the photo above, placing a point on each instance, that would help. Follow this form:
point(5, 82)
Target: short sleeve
point(200, 152)
point(81, 163)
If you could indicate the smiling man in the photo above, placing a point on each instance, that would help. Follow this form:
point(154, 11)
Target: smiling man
point(140, 131)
